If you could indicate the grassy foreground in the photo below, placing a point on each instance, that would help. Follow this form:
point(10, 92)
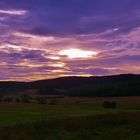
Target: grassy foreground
point(69, 122)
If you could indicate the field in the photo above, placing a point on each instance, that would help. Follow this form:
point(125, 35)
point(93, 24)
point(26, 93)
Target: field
point(71, 120)
point(120, 100)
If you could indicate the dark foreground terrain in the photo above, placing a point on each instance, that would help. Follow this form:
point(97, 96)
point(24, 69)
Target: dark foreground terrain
point(69, 121)
point(64, 109)
point(118, 126)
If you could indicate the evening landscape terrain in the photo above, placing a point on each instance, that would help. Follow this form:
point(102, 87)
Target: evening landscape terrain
point(69, 70)
point(71, 108)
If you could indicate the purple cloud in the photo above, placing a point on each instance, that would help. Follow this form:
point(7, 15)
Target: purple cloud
point(34, 32)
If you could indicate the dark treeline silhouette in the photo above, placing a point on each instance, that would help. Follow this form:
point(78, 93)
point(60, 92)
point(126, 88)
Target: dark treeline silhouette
point(118, 85)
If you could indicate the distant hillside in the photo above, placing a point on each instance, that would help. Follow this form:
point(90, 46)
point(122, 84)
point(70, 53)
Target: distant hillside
point(118, 85)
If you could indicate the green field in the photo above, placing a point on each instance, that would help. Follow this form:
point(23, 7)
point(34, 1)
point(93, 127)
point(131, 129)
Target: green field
point(69, 121)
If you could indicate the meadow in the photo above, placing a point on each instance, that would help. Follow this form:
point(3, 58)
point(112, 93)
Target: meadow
point(69, 121)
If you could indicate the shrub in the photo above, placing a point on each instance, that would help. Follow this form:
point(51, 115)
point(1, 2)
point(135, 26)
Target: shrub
point(25, 98)
point(41, 100)
point(1, 98)
point(17, 100)
point(107, 104)
point(77, 102)
point(53, 102)
point(8, 99)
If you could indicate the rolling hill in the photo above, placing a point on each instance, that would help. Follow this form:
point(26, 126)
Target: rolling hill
point(117, 85)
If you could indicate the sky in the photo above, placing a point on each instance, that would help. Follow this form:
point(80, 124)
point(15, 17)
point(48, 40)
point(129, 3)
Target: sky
point(41, 39)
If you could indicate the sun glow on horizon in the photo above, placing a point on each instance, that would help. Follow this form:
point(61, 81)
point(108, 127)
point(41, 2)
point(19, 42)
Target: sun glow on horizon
point(77, 53)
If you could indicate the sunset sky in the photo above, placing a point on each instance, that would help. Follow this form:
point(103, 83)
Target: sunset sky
point(42, 39)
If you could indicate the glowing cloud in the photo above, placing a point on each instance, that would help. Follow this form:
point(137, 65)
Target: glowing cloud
point(13, 12)
point(77, 53)
point(57, 65)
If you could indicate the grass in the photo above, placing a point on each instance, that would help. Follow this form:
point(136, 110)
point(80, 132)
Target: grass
point(122, 126)
point(83, 121)
point(12, 113)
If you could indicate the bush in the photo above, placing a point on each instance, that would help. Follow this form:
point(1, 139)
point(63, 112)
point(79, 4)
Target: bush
point(77, 102)
point(8, 99)
point(53, 102)
point(25, 98)
point(107, 104)
point(1, 98)
point(41, 100)
point(17, 100)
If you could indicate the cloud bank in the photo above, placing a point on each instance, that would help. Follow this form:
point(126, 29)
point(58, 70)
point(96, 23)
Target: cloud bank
point(33, 33)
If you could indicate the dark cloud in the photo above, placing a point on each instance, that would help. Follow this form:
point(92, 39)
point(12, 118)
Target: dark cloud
point(73, 17)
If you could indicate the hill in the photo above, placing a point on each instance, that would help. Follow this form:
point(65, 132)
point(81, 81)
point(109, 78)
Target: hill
point(118, 85)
